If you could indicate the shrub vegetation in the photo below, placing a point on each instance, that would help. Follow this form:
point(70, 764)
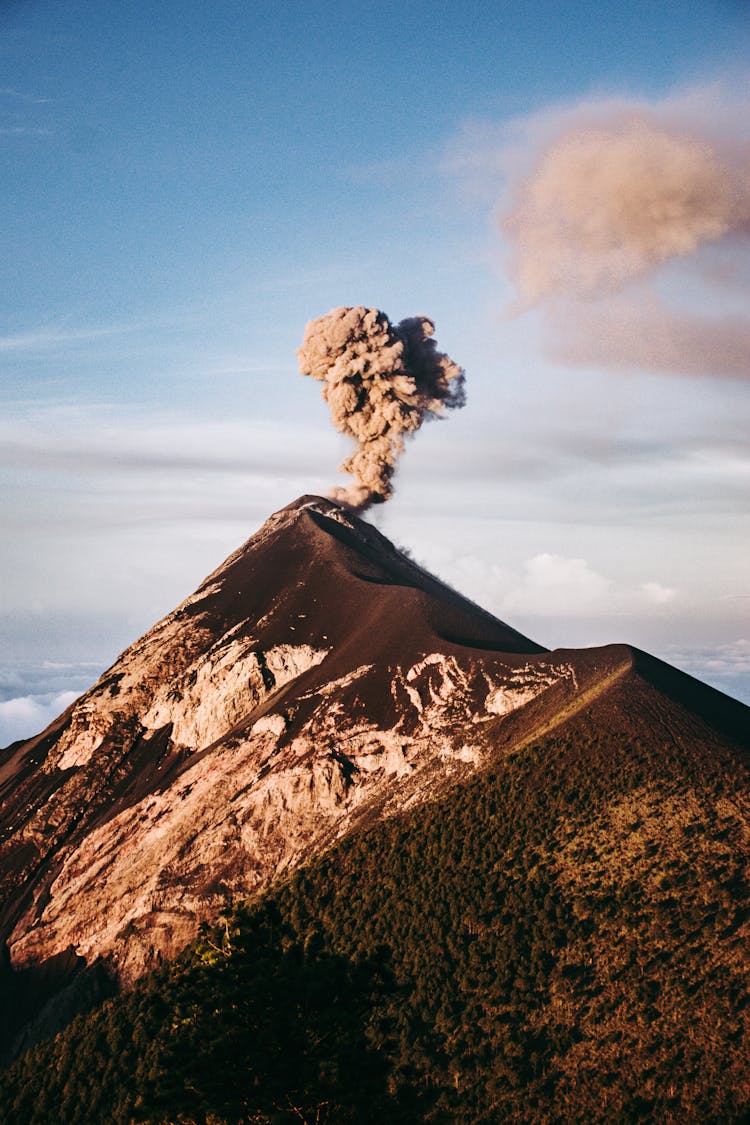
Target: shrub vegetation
point(563, 938)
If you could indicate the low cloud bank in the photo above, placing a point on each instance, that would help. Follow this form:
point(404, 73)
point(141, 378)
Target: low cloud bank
point(28, 715)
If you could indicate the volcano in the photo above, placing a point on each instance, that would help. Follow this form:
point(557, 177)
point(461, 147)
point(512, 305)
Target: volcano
point(317, 684)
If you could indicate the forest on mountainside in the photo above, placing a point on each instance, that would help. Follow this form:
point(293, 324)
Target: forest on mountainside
point(561, 938)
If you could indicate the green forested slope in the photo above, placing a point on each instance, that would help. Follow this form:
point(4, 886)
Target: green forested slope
point(564, 938)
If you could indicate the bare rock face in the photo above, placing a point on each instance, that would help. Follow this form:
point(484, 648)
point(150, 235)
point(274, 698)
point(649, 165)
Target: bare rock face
point(317, 680)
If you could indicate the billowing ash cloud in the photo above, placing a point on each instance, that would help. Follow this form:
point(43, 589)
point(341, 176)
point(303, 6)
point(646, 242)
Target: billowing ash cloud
point(381, 381)
point(627, 223)
point(609, 203)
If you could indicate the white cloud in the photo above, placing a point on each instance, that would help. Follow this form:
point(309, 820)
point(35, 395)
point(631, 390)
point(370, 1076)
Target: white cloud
point(27, 715)
point(552, 585)
point(22, 96)
point(23, 131)
point(41, 339)
point(658, 594)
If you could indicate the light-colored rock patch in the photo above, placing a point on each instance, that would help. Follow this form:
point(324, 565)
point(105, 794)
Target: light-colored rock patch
point(88, 729)
point(524, 684)
point(222, 688)
point(333, 686)
point(503, 700)
point(272, 724)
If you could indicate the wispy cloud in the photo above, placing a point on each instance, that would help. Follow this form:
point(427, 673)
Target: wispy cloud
point(22, 96)
point(21, 114)
point(102, 442)
point(45, 338)
point(25, 131)
point(731, 659)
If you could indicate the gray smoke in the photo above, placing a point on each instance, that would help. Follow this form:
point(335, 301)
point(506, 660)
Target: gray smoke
point(381, 381)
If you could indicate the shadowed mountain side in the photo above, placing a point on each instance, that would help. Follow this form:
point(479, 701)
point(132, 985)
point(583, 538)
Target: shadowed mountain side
point(350, 583)
point(712, 707)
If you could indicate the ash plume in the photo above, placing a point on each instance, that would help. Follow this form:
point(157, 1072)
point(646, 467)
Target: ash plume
point(641, 332)
point(381, 382)
point(610, 203)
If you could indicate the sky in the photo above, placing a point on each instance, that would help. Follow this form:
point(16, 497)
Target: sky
point(564, 188)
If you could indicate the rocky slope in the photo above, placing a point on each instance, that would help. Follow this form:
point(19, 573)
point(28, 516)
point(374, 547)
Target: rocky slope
point(316, 682)
point(560, 937)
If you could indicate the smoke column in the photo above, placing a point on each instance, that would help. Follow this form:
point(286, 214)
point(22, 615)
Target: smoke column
point(381, 381)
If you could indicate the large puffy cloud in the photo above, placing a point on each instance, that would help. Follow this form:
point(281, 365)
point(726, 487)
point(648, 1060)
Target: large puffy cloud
point(552, 586)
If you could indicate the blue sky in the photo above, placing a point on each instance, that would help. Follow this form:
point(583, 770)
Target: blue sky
point(184, 186)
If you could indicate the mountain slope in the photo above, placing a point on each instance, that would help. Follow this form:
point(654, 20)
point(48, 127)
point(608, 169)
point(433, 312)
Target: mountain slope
point(317, 682)
point(561, 937)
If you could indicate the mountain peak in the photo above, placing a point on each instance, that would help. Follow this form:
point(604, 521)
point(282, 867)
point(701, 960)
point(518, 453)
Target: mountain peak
point(311, 500)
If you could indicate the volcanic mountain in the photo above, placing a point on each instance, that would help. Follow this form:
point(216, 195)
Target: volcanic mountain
point(317, 685)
